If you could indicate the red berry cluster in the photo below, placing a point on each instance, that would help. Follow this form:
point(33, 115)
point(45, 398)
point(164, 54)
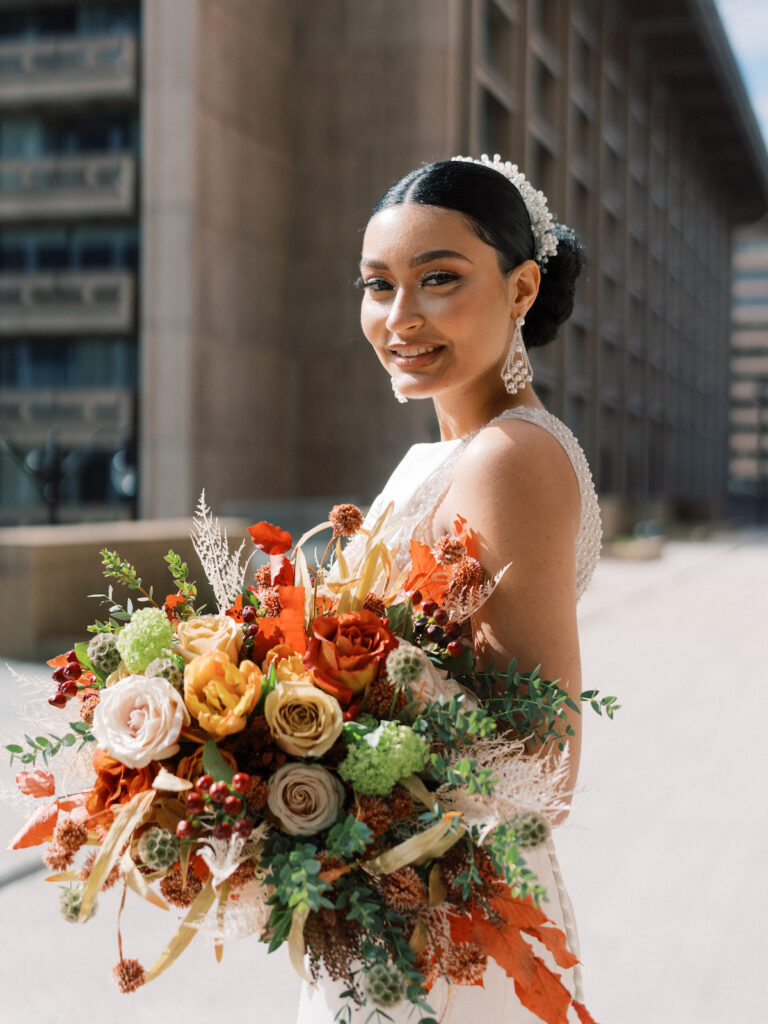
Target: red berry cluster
point(66, 677)
point(434, 625)
point(218, 804)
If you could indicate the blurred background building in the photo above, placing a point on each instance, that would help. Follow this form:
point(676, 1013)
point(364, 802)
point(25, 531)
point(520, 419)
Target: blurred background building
point(748, 468)
point(183, 185)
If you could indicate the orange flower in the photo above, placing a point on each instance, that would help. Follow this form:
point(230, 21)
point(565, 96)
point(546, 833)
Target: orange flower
point(219, 694)
point(346, 652)
point(116, 784)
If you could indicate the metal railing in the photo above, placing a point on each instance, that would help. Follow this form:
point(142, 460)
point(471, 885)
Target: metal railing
point(63, 69)
point(67, 302)
point(67, 186)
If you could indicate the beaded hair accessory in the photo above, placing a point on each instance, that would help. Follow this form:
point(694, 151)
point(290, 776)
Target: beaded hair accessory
point(542, 221)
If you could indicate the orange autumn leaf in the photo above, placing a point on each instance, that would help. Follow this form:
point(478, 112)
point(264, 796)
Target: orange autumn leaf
point(546, 996)
point(39, 827)
point(236, 611)
point(270, 539)
point(583, 1013)
point(281, 571)
point(291, 617)
point(555, 941)
point(36, 783)
point(460, 927)
point(426, 575)
point(58, 661)
point(507, 947)
point(467, 536)
point(36, 829)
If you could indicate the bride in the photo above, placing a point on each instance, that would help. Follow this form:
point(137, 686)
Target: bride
point(463, 269)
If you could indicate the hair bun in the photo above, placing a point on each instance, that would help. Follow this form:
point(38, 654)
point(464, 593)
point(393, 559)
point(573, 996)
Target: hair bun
point(554, 302)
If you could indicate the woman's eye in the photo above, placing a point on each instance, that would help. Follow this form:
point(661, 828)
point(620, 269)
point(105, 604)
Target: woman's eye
point(373, 284)
point(439, 277)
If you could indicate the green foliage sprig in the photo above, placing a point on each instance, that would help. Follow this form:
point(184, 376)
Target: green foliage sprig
point(535, 707)
point(48, 746)
point(293, 871)
point(454, 721)
point(116, 568)
point(180, 575)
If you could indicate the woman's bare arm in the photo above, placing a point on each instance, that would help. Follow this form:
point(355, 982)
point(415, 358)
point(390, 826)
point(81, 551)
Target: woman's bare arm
point(517, 489)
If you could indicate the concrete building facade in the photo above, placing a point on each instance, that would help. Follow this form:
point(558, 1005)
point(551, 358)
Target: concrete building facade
point(269, 128)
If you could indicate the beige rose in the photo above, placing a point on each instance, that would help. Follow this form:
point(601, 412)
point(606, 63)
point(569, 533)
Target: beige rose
point(304, 721)
point(305, 798)
point(204, 633)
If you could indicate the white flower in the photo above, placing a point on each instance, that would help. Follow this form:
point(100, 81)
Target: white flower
point(434, 686)
point(138, 720)
point(305, 798)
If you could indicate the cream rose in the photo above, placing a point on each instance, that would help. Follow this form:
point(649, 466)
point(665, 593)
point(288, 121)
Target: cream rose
point(304, 798)
point(204, 633)
point(304, 721)
point(138, 720)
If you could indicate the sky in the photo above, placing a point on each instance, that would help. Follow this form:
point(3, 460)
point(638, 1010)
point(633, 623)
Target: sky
point(746, 23)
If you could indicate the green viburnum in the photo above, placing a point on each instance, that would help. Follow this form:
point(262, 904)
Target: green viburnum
point(375, 763)
point(146, 636)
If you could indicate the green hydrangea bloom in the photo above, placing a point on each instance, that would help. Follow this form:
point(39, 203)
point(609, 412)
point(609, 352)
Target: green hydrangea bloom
point(145, 638)
point(375, 763)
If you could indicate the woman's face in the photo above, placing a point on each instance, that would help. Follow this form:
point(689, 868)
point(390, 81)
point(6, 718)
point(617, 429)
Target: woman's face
point(436, 308)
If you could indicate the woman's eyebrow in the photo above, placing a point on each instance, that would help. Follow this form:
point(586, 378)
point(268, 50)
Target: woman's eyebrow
point(416, 261)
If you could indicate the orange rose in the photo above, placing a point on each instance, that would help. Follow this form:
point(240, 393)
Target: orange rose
point(220, 695)
point(346, 652)
point(116, 784)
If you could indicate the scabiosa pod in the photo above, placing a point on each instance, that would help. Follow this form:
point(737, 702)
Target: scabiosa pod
point(385, 985)
point(103, 653)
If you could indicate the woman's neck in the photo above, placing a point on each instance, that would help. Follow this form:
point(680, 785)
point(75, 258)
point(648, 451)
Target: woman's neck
point(461, 415)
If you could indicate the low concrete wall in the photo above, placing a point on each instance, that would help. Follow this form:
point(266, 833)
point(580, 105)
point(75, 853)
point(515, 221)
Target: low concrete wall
point(46, 573)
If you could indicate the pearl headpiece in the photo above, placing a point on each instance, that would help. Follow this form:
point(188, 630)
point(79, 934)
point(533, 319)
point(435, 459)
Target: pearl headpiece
point(542, 221)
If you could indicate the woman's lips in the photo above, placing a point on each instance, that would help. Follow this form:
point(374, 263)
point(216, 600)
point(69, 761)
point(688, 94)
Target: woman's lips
point(416, 356)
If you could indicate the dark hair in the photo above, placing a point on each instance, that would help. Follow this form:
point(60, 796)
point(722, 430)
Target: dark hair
point(497, 213)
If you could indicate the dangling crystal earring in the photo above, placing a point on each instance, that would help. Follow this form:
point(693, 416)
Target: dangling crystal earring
point(517, 370)
point(397, 393)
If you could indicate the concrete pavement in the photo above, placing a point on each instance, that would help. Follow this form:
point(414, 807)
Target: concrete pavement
point(663, 854)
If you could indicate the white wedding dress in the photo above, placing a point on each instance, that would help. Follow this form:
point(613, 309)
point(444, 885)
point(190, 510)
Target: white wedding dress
point(416, 488)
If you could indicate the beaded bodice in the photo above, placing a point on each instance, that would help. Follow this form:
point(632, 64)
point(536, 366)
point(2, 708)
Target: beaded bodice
point(421, 480)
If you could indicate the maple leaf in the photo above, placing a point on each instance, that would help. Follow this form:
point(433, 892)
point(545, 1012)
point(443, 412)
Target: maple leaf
point(546, 996)
point(507, 947)
point(426, 575)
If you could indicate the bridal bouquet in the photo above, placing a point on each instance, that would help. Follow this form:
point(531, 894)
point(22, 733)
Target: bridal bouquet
point(319, 761)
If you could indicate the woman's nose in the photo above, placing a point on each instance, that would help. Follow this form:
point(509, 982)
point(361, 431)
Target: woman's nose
point(404, 312)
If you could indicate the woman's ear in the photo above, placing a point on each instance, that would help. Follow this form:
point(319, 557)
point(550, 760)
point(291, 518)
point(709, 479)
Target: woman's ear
point(524, 287)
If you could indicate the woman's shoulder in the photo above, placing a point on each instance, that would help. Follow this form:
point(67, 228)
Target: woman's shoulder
point(526, 446)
